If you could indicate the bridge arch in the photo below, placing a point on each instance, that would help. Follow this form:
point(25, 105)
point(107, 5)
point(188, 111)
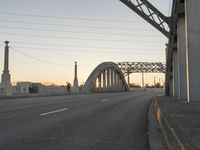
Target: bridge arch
point(106, 77)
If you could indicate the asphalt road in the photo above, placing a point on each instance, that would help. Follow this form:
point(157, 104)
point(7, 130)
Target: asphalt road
point(112, 121)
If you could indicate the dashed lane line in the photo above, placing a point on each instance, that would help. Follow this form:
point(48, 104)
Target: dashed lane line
point(53, 112)
point(105, 100)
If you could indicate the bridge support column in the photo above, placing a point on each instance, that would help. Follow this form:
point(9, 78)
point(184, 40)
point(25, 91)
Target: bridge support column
point(181, 58)
point(108, 79)
point(128, 77)
point(117, 82)
point(168, 75)
point(104, 80)
point(171, 85)
point(114, 80)
point(193, 49)
point(175, 74)
point(99, 83)
point(120, 85)
point(111, 79)
point(94, 89)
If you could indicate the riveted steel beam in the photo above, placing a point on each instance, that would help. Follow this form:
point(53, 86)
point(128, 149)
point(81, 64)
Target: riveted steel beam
point(141, 67)
point(151, 14)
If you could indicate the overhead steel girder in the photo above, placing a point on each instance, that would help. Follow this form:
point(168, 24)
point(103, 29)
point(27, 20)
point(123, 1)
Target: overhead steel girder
point(141, 67)
point(151, 14)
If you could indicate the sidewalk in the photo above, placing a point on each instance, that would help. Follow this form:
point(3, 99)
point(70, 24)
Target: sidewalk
point(180, 123)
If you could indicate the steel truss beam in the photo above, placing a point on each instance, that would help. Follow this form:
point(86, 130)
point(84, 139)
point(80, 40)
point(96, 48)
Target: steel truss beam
point(141, 67)
point(151, 14)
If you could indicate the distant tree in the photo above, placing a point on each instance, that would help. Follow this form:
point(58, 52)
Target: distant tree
point(132, 85)
point(158, 85)
point(147, 86)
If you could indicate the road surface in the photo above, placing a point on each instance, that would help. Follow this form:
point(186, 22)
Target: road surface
point(112, 121)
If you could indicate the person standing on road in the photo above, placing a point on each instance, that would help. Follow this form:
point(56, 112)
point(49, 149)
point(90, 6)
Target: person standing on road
point(68, 88)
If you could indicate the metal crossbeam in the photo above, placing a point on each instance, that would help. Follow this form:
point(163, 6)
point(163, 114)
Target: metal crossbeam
point(141, 67)
point(151, 14)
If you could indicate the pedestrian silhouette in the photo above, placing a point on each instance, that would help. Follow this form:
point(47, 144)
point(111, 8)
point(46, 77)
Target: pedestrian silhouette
point(68, 88)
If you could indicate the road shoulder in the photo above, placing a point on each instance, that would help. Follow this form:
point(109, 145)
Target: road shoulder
point(156, 138)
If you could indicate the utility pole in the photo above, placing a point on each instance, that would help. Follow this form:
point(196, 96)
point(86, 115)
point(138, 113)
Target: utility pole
point(128, 78)
point(143, 79)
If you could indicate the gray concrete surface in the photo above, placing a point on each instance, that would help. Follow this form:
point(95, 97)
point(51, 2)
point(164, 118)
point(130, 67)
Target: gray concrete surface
point(180, 123)
point(116, 121)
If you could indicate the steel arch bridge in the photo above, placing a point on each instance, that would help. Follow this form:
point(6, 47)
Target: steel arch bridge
point(106, 77)
point(110, 76)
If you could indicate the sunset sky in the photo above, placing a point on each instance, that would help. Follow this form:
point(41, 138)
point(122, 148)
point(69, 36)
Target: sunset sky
point(47, 37)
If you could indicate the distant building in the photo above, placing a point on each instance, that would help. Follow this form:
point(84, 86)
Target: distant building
point(29, 88)
point(23, 87)
point(38, 88)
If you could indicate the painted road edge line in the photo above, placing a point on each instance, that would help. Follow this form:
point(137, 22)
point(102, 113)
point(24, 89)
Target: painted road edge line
point(105, 100)
point(52, 112)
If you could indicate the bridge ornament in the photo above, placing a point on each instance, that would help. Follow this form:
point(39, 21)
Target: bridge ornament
point(106, 77)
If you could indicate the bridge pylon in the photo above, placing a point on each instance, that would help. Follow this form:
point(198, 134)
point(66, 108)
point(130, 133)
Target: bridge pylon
point(182, 52)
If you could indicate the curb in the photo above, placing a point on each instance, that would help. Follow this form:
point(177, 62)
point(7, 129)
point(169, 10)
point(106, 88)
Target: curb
point(156, 139)
point(172, 140)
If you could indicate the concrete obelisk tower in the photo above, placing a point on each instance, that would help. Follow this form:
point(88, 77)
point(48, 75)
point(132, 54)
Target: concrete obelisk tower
point(5, 86)
point(75, 86)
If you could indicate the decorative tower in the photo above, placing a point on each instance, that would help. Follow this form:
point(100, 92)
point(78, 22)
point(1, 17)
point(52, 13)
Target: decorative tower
point(5, 86)
point(75, 86)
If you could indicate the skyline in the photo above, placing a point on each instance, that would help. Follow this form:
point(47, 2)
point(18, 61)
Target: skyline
point(90, 33)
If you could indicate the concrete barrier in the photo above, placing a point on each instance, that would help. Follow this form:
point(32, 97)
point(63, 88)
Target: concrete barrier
point(170, 136)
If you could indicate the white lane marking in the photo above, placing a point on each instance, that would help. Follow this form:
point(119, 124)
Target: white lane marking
point(52, 112)
point(105, 100)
